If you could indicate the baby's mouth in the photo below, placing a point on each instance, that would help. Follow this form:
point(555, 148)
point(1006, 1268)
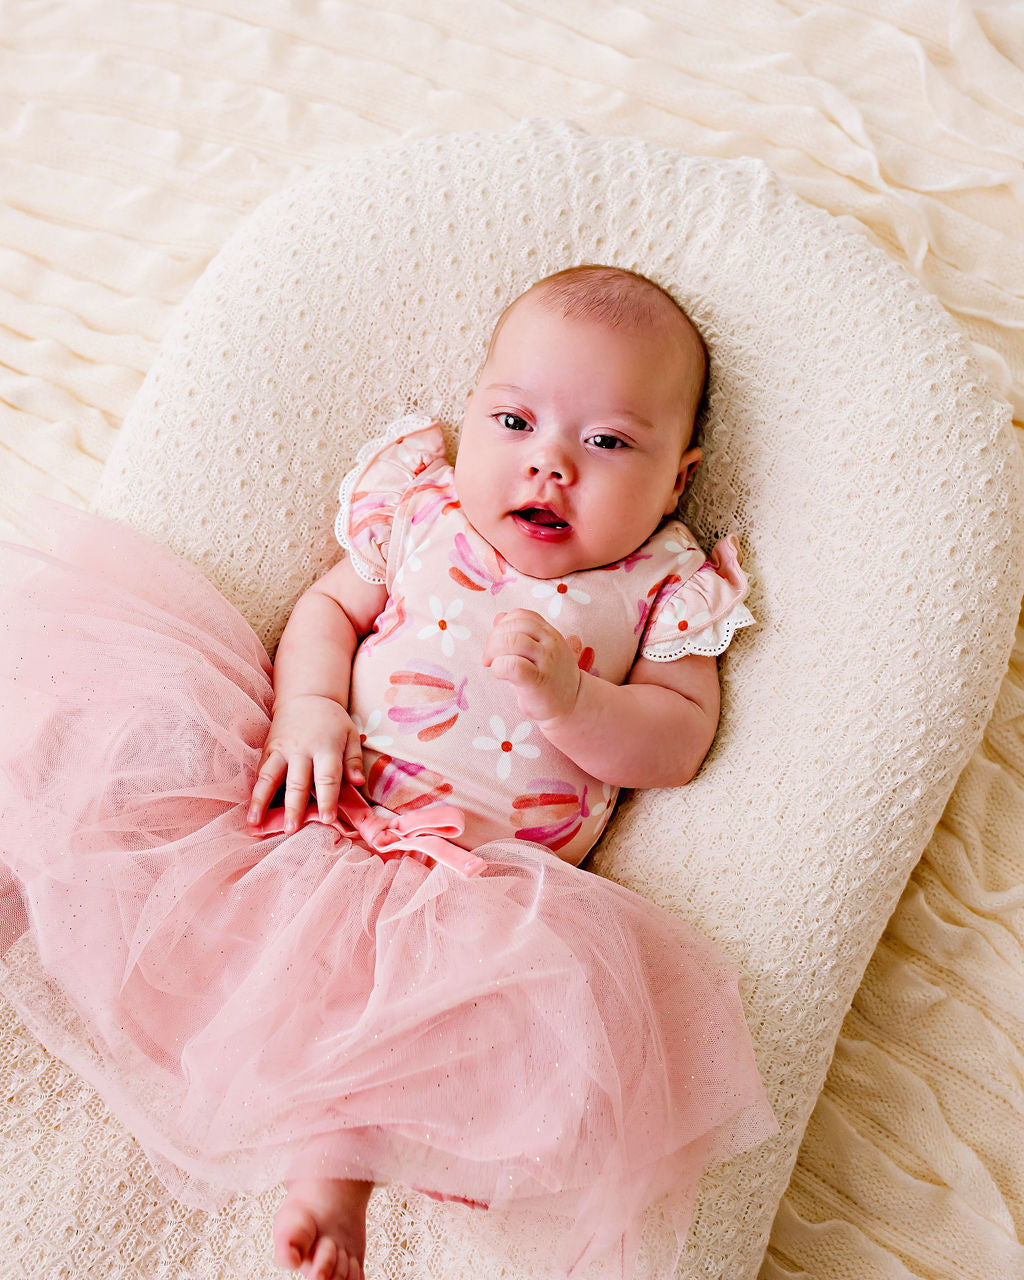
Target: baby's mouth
point(542, 524)
point(543, 516)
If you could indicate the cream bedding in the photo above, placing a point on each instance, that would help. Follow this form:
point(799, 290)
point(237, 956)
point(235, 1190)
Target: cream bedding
point(136, 136)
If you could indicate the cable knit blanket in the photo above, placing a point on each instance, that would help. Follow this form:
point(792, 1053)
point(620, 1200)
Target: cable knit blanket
point(135, 138)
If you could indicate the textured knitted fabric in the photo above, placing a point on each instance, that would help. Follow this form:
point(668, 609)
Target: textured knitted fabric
point(847, 441)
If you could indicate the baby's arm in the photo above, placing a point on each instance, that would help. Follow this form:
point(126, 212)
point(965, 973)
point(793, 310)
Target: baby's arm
point(653, 731)
point(312, 739)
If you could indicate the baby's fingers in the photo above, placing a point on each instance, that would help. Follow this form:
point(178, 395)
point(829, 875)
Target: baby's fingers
point(296, 792)
point(509, 641)
point(269, 778)
point(327, 783)
point(329, 769)
point(516, 669)
point(354, 759)
point(514, 623)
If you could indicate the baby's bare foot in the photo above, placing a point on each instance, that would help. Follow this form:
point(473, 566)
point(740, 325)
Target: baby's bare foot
point(320, 1228)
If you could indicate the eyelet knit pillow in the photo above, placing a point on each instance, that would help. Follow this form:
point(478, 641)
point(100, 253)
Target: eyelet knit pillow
point(872, 478)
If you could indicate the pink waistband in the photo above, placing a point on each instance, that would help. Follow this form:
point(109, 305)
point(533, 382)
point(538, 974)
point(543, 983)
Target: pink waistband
point(424, 834)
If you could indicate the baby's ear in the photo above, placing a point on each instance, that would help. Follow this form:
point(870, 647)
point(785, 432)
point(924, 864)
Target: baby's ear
point(688, 464)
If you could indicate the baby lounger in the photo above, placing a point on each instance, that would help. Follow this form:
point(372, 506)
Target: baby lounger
point(850, 442)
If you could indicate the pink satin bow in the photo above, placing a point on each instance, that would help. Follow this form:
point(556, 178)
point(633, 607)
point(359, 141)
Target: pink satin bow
point(424, 834)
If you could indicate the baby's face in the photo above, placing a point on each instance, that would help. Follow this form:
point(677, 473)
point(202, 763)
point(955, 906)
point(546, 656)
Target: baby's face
point(572, 446)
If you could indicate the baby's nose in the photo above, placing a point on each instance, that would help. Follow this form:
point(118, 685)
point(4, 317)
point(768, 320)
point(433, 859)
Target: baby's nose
point(555, 466)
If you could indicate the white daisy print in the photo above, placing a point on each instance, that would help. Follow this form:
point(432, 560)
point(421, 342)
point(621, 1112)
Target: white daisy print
point(605, 803)
point(555, 593)
point(672, 544)
point(677, 608)
point(506, 741)
point(413, 554)
point(368, 735)
point(444, 625)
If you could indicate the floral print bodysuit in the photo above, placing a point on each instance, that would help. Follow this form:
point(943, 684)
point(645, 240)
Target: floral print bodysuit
point(437, 726)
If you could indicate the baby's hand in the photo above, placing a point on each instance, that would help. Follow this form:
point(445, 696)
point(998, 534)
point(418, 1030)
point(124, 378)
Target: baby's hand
point(527, 651)
point(312, 740)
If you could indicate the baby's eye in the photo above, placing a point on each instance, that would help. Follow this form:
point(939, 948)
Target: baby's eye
point(512, 422)
point(604, 441)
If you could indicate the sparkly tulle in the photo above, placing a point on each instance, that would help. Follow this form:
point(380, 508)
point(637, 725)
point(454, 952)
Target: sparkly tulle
point(535, 1039)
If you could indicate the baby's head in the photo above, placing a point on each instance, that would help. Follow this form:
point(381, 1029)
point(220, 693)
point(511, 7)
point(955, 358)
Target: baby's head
point(578, 437)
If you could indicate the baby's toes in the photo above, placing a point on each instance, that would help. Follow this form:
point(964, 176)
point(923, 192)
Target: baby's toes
point(295, 1233)
point(324, 1264)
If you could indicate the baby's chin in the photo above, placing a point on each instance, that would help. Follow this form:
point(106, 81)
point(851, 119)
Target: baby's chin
point(545, 562)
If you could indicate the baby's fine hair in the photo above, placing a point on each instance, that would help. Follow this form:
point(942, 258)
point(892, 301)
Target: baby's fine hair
point(616, 297)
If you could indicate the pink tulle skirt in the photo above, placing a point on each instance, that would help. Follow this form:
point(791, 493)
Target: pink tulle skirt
point(535, 1039)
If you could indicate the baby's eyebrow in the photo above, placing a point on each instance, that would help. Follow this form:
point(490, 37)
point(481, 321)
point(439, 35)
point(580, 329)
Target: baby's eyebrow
point(627, 415)
point(627, 418)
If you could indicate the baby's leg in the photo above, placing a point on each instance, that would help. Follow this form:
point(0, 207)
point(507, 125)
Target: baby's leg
point(320, 1228)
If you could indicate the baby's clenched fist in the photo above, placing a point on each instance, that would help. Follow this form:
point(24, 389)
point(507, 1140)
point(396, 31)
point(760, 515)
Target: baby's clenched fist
point(533, 656)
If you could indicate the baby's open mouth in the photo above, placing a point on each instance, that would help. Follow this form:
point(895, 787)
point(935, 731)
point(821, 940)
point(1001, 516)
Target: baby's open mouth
point(543, 516)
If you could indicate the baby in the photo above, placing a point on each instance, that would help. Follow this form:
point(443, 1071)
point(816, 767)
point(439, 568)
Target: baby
point(540, 634)
point(408, 979)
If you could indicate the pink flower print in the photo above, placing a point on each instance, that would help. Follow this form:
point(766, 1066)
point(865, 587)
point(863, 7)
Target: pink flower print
point(367, 509)
point(426, 696)
point(441, 499)
point(388, 623)
point(469, 571)
point(444, 625)
point(401, 786)
point(555, 811)
point(628, 562)
point(654, 597)
point(505, 742)
point(368, 735)
point(584, 653)
point(555, 593)
point(411, 458)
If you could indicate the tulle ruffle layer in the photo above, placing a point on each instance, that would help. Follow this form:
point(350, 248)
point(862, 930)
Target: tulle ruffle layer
point(536, 1039)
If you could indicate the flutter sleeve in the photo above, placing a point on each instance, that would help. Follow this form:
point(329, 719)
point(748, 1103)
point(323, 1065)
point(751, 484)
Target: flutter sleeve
point(702, 613)
point(385, 470)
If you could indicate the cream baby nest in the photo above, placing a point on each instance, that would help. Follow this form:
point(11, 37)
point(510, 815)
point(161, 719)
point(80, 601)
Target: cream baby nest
point(850, 441)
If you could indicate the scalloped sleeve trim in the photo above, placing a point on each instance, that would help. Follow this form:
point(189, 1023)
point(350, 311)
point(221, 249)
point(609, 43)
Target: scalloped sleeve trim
point(371, 491)
point(710, 641)
point(704, 612)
